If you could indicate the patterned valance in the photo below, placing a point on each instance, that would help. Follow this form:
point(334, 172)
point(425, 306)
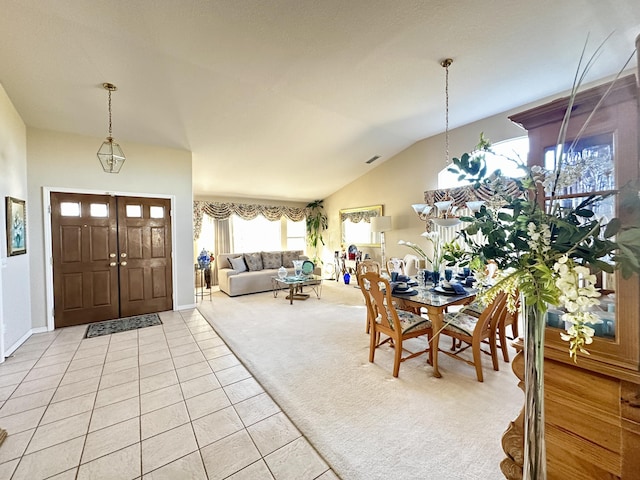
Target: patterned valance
point(359, 216)
point(461, 195)
point(221, 211)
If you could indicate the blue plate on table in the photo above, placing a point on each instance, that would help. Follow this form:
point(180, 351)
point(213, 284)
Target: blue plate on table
point(406, 292)
point(443, 291)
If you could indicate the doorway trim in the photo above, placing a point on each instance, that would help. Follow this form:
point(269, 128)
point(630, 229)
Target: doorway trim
point(48, 247)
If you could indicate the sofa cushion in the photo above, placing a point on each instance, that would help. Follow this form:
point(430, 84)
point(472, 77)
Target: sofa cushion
point(254, 261)
point(238, 264)
point(289, 256)
point(271, 259)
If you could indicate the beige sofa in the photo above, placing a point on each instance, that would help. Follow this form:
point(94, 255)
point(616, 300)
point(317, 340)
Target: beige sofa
point(253, 271)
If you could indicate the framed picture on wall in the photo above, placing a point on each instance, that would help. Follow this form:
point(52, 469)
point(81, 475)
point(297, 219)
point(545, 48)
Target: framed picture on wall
point(16, 227)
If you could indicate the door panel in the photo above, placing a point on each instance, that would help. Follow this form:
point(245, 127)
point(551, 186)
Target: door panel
point(85, 284)
point(111, 257)
point(144, 236)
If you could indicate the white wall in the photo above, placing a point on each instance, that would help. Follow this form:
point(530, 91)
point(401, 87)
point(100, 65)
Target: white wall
point(68, 162)
point(15, 316)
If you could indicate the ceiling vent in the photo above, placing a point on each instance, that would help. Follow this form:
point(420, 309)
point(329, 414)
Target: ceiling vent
point(373, 159)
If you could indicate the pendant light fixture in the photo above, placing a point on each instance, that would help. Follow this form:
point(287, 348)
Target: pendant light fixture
point(441, 213)
point(110, 154)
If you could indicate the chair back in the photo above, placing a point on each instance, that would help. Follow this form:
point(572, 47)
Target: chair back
point(411, 264)
point(491, 317)
point(367, 266)
point(381, 302)
point(396, 265)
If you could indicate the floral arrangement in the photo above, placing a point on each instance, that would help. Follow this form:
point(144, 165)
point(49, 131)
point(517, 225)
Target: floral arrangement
point(549, 254)
point(438, 255)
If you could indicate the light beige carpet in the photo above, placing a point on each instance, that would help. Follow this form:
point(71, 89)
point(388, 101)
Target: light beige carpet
point(312, 358)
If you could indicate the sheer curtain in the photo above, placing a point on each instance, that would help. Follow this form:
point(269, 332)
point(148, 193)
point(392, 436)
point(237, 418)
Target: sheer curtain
point(223, 243)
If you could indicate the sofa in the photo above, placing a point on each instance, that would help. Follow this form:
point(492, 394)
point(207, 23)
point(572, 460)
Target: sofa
point(243, 273)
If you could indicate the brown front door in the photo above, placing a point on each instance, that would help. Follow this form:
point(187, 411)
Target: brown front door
point(144, 238)
point(111, 257)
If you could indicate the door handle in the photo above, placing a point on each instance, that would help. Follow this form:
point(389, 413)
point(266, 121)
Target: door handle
point(123, 255)
point(124, 264)
point(112, 264)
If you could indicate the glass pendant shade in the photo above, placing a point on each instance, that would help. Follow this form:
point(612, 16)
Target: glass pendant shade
point(111, 156)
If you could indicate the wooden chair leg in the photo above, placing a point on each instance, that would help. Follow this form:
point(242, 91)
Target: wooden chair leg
point(477, 360)
point(397, 358)
point(493, 348)
point(373, 342)
point(503, 344)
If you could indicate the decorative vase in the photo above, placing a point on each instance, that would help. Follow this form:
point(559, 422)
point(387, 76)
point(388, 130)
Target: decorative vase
point(282, 272)
point(204, 260)
point(535, 461)
point(297, 267)
point(347, 278)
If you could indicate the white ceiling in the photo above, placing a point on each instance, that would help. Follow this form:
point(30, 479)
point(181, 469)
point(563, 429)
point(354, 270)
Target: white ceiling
point(286, 99)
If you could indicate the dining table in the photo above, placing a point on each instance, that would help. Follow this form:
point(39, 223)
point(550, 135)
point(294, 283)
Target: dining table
point(436, 304)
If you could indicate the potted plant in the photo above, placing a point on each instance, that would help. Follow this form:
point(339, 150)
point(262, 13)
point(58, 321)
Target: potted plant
point(316, 224)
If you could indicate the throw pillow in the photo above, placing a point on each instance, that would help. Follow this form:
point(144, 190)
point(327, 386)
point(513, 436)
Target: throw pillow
point(238, 264)
point(289, 256)
point(271, 259)
point(254, 261)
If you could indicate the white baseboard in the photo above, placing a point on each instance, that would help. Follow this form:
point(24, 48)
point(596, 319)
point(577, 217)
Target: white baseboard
point(23, 339)
point(186, 307)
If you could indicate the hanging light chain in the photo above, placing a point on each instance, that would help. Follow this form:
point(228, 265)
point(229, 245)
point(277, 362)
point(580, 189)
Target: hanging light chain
point(109, 87)
point(110, 116)
point(446, 63)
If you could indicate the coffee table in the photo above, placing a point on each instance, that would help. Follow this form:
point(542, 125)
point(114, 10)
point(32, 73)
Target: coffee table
point(295, 285)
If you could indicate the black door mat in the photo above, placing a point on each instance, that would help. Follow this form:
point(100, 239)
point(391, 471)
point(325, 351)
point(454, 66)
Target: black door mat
point(123, 324)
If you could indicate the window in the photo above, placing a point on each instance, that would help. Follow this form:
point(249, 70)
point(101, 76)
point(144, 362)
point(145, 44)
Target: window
point(255, 235)
point(134, 211)
point(69, 209)
point(515, 148)
point(99, 210)
point(207, 235)
point(156, 212)
point(296, 235)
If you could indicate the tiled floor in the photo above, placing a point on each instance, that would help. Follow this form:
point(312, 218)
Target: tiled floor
point(163, 402)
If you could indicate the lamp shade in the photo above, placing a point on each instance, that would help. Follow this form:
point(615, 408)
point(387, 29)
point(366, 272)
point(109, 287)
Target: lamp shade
point(380, 224)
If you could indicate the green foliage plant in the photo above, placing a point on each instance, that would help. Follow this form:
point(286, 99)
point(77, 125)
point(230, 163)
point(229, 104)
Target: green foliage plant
point(316, 223)
point(547, 252)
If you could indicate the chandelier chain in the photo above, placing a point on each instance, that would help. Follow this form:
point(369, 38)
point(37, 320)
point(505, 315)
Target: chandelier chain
point(110, 114)
point(446, 63)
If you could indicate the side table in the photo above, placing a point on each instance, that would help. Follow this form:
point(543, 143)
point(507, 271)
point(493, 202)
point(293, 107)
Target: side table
point(201, 291)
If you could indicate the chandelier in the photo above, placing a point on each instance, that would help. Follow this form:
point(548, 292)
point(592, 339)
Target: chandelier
point(110, 154)
point(443, 213)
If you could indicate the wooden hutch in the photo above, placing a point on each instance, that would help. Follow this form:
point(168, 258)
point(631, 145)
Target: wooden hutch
point(592, 408)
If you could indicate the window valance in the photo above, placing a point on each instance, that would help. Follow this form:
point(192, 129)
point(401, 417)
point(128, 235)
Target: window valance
point(461, 195)
point(359, 216)
point(247, 211)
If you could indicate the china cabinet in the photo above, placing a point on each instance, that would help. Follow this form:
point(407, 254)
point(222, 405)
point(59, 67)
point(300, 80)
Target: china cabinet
point(592, 408)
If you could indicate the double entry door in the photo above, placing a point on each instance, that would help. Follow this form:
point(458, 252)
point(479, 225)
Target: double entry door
point(111, 257)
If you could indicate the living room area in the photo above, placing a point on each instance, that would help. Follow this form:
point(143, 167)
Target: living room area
point(230, 113)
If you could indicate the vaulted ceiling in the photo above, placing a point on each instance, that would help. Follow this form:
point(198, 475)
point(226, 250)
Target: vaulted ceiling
point(287, 99)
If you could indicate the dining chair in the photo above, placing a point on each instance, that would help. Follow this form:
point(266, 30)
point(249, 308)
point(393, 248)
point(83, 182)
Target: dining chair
point(396, 265)
point(470, 331)
point(411, 264)
point(362, 268)
point(396, 325)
